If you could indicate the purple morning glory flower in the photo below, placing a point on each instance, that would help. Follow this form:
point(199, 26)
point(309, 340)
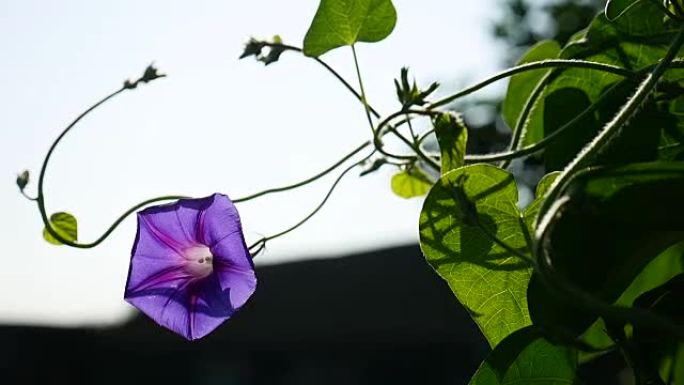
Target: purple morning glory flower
point(190, 268)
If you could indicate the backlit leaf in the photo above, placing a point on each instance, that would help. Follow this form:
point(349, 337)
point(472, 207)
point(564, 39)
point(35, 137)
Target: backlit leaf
point(411, 183)
point(461, 209)
point(525, 357)
point(344, 22)
point(65, 225)
point(452, 136)
point(521, 86)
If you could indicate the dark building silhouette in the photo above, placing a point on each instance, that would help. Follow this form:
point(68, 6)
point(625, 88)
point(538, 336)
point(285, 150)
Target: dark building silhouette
point(377, 318)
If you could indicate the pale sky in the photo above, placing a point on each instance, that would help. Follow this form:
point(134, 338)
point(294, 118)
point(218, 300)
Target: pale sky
point(215, 124)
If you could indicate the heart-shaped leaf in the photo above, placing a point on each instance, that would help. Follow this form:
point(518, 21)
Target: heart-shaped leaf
point(344, 22)
point(411, 183)
point(65, 225)
point(461, 213)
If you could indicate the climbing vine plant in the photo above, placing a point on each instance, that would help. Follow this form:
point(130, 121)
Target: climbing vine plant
point(594, 264)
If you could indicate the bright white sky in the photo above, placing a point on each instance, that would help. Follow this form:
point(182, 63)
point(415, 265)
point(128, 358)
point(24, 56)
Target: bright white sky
point(215, 124)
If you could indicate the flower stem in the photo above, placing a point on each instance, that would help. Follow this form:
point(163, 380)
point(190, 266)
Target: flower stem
point(305, 181)
point(364, 98)
point(40, 198)
point(540, 145)
point(553, 63)
point(260, 244)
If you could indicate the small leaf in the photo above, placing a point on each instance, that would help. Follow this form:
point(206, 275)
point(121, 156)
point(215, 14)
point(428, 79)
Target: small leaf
point(525, 357)
point(411, 183)
point(65, 225)
point(452, 136)
point(23, 180)
point(344, 22)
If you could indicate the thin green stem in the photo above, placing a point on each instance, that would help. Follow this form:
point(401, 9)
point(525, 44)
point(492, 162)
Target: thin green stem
point(329, 68)
point(416, 148)
point(540, 145)
point(554, 63)
point(521, 123)
point(308, 180)
point(260, 244)
point(40, 199)
point(376, 132)
point(425, 135)
point(364, 98)
point(473, 158)
point(411, 131)
point(520, 129)
point(32, 199)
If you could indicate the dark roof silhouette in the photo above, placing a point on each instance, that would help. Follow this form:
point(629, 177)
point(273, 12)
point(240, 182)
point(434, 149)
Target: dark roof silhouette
point(382, 317)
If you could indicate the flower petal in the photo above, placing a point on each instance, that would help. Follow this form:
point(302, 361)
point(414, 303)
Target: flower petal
point(154, 255)
point(192, 308)
point(218, 220)
point(178, 224)
point(234, 268)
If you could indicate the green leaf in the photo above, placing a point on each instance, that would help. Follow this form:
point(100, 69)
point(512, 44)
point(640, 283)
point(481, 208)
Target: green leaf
point(677, 106)
point(521, 86)
point(642, 18)
point(344, 22)
point(525, 357)
point(616, 8)
point(411, 183)
point(612, 223)
point(452, 136)
point(636, 39)
point(532, 211)
point(663, 349)
point(562, 106)
point(65, 225)
point(460, 210)
point(678, 363)
point(662, 269)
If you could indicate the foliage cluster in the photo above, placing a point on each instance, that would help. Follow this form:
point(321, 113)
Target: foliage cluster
point(596, 262)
